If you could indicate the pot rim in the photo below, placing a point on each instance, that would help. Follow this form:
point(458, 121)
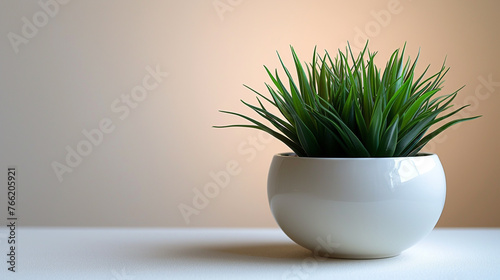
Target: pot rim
point(294, 156)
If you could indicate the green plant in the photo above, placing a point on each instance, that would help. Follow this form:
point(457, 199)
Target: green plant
point(347, 107)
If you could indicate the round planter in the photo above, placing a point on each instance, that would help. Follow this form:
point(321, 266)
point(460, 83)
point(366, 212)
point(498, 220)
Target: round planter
point(356, 207)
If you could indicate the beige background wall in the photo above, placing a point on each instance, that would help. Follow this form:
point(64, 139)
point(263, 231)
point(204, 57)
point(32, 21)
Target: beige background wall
point(79, 65)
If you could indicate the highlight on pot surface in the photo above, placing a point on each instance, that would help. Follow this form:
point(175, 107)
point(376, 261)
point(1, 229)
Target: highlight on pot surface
point(348, 107)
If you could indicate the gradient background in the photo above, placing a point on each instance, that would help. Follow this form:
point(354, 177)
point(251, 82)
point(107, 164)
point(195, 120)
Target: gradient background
point(66, 77)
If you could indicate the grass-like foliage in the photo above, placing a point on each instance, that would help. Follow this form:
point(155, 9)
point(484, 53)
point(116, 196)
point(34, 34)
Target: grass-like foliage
point(347, 107)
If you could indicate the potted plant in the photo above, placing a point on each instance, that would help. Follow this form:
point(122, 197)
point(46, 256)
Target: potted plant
point(356, 184)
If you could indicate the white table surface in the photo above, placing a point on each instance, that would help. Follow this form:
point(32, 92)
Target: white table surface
point(124, 254)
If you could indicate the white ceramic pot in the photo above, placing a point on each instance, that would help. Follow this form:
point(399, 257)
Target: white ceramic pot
point(356, 207)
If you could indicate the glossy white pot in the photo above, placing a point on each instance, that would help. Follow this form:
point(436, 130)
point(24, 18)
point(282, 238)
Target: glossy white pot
point(356, 207)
